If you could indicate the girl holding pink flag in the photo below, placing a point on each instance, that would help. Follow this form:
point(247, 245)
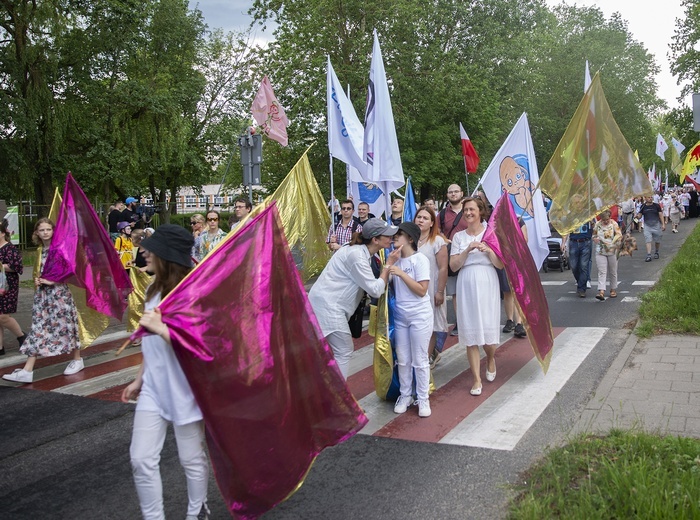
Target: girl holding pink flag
point(54, 318)
point(164, 395)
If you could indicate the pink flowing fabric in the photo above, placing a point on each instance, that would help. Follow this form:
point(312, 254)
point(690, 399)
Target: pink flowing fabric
point(505, 237)
point(262, 373)
point(82, 255)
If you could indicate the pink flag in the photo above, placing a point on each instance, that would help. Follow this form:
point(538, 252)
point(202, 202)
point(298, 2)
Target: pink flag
point(505, 237)
point(263, 375)
point(471, 158)
point(82, 254)
point(269, 114)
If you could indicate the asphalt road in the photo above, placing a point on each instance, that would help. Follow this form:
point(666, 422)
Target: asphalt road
point(67, 457)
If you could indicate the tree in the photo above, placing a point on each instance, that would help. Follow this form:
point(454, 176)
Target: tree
point(32, 116)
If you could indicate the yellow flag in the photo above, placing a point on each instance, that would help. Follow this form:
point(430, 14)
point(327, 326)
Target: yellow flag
point(676, 163)
point(140, 280)
point(692, 161)
point(593, 167)
point(304, 216)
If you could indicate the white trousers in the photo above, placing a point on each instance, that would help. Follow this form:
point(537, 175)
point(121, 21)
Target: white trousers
point(411, 338)
point(146, 444)
point(607, 265)
point(342, 347)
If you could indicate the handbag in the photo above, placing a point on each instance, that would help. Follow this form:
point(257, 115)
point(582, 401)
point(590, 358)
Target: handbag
point(355, 321)
point(3, 280)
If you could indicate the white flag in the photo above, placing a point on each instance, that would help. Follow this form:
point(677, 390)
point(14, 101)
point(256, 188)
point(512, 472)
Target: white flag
point(677, 145)
point(586, 79)
point(380, 144)
point(661, 147)
point(372, 195)
point(345, 132)
point(513, 171)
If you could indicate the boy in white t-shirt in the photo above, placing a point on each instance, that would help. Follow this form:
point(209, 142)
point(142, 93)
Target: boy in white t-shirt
point(413, 319)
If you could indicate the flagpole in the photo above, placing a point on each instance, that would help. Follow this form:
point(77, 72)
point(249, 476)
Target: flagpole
point(588, 166)
point(466, 173)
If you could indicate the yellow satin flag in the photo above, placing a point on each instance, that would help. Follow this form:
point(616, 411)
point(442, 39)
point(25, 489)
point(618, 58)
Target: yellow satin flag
point(304, 217)
point(140, 280)
point(593, 167)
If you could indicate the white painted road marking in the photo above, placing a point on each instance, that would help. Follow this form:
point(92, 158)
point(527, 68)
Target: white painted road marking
point(502, 420)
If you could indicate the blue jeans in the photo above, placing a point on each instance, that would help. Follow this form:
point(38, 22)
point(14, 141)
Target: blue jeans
point(579, 259)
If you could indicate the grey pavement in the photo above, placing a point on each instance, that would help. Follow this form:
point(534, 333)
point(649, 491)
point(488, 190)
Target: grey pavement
point(653, 385)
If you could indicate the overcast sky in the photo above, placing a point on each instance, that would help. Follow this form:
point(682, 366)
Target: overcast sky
point(652, 24)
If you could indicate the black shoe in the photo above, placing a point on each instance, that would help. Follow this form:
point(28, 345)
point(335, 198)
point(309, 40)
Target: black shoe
point(648, 258)
point(656, 255)
point(519, 331)
point(20, 339)
point(2, 351)
point(454, 332)
point(509, 326)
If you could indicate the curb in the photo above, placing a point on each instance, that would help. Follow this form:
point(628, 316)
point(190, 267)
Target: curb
point(589, 415)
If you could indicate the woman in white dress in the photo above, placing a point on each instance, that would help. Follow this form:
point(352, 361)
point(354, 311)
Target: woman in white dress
point(434, 246)
point(478, 296)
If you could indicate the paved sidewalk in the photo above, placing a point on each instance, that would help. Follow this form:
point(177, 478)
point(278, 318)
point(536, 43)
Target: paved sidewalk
point(653, 385)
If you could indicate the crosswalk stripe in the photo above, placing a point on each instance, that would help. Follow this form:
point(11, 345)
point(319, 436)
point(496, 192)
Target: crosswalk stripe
point(501, 421)
point(497, 419)
point(100, 383)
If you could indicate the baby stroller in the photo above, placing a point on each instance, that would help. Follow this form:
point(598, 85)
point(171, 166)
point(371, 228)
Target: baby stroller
point(555, 258)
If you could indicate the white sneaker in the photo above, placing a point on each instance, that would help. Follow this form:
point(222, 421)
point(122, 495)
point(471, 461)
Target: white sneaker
point(19, 375)
point(588, 285)
point(74, 367)
point(424, 408)
point(402, 404)
point(203, 514)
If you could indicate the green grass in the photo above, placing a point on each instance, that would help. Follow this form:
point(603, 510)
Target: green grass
point(672, 306)
point(627, 474)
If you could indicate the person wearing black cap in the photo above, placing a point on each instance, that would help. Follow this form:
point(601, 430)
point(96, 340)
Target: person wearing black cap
point(413, 319)
point(340, 287)
point(164, 395)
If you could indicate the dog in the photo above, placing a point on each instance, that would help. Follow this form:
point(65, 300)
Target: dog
point(629, 244)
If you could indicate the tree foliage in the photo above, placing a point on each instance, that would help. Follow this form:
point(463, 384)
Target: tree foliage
point(481, 63)
point(138, 97)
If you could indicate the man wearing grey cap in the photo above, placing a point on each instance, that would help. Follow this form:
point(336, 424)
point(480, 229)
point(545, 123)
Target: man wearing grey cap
point(347, 276)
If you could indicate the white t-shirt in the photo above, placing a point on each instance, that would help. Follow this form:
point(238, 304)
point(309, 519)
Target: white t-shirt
point(165, 388)
point(417, 266)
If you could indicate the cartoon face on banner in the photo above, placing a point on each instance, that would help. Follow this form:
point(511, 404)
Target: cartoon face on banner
point(514, 173)
point(369, 192)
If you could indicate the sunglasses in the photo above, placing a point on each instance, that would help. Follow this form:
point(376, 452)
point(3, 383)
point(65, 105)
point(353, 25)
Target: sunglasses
point(212, 219)
point(346, 209)
point(193, 222)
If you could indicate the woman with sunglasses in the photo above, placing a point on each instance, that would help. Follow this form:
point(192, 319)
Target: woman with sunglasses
point(207, 240)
